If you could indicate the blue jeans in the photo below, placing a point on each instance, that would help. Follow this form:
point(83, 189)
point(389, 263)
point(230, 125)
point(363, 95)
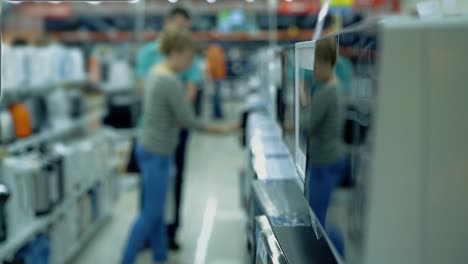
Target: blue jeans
point(217, 107)
point(150, 225)
point(322, 181)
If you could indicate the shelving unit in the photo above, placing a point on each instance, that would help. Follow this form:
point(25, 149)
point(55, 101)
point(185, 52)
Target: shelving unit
point(17, 94)
point(9, 247)
point(87, 236)
point(283, 35)
point(45, 136)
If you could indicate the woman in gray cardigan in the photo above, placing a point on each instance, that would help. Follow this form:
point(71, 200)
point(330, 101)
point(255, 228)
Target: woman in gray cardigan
point(165, 111)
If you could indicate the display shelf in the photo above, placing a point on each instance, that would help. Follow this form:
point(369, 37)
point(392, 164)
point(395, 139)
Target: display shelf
point(9, 247)
point(283, 35)
point(85, 237)
point(44, 136)
point(114, 89)
point(18, 94)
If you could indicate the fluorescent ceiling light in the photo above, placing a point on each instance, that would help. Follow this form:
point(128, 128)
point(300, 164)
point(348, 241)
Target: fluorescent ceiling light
point(173, 1)
point(211, 1)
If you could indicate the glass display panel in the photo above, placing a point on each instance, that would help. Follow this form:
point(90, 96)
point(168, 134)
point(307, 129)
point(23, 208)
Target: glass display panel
point(287, 104)
point(336, 86)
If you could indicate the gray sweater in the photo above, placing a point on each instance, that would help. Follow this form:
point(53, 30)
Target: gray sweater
point(165, 110)
point(325, 123)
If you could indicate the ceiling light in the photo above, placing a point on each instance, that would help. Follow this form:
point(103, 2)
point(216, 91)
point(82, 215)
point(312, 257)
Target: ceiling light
point(211, 1)
point(94, 2)
point(289, 1)
point(173, 1)
point(250, 1)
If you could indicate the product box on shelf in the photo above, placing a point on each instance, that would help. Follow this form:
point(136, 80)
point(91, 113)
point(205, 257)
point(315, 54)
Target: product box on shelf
point(261, 149)
point(72, 221)
point(13, 75)
point(18, 175)
point(86, 162)
point(60, 239)
point(84, 213)
point(70, 169)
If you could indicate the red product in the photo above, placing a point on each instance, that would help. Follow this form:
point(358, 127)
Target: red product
point(21, 120)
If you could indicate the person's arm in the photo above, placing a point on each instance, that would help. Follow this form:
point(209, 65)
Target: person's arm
point(185, 115)
point(225, 129)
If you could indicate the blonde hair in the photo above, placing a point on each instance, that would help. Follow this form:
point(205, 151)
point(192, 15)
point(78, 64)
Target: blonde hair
point(326, 50)
point(175, 39)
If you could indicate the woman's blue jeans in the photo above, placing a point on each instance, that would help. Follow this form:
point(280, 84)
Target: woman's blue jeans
point(322, 181)
point(150, 225)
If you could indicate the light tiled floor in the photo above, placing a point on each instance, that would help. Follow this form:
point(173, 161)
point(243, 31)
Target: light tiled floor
point(211, 210)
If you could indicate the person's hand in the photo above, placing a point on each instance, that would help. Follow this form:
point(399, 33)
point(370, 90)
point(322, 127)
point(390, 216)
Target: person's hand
point(232, 127)
point(223, 129)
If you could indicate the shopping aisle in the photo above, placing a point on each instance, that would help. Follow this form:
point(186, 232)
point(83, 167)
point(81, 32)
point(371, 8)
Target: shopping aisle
point(213, 222)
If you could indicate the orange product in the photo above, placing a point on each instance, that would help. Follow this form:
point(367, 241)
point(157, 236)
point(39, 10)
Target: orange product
point(216, 62)
point(21, 120)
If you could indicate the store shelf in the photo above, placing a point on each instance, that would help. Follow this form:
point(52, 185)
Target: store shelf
point(9, 247)
point(113, 89)
point(18, 94)
point(283, 35)
point(87, 236)
point(35, 140)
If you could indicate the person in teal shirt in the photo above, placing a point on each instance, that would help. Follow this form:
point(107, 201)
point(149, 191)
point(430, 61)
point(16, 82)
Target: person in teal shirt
point(147, 57)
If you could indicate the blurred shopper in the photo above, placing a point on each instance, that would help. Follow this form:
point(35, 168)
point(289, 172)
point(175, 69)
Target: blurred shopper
point(148, 56)
point(216, 68)
point(326, 150)
point(165, 110)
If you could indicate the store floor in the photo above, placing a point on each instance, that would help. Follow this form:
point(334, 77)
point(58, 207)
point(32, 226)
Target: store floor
point(213, 222)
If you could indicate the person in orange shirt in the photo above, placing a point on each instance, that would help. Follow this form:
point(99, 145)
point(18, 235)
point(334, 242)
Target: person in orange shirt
point(216, 70)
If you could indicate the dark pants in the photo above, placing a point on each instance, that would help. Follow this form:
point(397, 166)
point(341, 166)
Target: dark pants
point(179, 179)
point(217, 104)
point(198, 105)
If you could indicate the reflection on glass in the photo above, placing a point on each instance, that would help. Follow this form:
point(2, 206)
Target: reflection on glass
point(336, 96)
point(288, 97)
point(322, 118)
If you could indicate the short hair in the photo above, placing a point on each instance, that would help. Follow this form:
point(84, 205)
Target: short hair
point(179, 11)
point(326, 50)
point(175, 39)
